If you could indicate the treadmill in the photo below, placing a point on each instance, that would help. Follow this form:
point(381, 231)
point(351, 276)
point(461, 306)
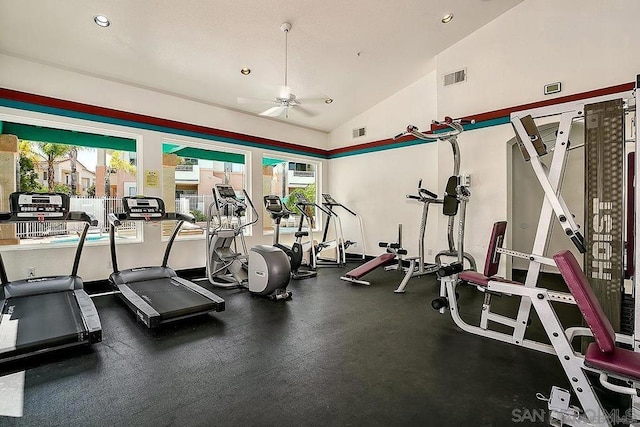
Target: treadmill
point(156, 294)
point(41, 314)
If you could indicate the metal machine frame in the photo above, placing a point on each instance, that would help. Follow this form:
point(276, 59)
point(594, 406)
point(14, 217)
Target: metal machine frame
point(458, 194)
point(42, 314)
point(330, 203)
point(540, 299)
point(156, 294)
point(228, 269)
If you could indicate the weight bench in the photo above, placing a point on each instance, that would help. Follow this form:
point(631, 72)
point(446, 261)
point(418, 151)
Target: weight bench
point(393, 250)
point(602, 354)
point(492, 261)
point(357, 273)
point(602, 357)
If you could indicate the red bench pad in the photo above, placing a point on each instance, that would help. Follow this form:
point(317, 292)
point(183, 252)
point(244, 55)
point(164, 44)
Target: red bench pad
point(618, 361)
point(369, 266)
point(586, 300)
point(480, 279)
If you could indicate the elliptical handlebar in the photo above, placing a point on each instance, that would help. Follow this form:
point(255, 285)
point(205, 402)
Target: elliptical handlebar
point(220, 201)
point(253, 209)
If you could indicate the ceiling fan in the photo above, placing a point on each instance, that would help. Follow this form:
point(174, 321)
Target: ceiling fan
point(285, 100)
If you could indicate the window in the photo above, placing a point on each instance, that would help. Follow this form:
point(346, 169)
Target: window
point(83, 165)
point(286, 178)
point(196, 170)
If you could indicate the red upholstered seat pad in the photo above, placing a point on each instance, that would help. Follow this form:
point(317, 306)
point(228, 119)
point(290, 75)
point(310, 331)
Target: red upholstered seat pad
point(480, 279)
point(619, 361)
point(371, 265)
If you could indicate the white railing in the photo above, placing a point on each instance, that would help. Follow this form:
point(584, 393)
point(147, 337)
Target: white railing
point(99, 207)
point(188, 203)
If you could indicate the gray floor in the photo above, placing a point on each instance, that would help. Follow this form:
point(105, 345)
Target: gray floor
point(336, 354)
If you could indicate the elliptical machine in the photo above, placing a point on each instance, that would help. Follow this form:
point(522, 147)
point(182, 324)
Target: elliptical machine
point(265, 271)
point(278, 211)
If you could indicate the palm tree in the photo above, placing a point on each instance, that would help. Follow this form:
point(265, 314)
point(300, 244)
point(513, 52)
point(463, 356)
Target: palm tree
point(27, 162)
point(52, 152)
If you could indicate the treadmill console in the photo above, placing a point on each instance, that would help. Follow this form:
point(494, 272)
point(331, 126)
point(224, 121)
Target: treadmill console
point(39, 206)
point(301, 199)
point(144, 207)
point(328, 200)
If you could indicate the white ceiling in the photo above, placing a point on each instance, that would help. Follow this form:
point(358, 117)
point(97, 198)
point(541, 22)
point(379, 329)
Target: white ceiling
point(196, 48)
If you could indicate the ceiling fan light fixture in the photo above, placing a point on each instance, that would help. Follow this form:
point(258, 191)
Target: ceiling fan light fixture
point(328, 101)
point(447, 18)
point(245, 71)
point(101, 21)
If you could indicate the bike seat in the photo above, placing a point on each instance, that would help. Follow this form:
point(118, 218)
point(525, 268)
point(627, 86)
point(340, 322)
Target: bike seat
point(301, 233)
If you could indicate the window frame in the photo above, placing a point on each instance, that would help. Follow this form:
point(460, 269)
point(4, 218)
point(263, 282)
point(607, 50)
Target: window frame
point(209, 145)
point(295, 159)
point(76, 127)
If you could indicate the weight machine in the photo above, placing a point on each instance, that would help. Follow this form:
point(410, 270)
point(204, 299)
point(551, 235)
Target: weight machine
point(454, 203)
point(608, 259)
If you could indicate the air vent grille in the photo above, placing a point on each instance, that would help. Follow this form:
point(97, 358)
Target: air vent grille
point(358, 132)
point(455, 77)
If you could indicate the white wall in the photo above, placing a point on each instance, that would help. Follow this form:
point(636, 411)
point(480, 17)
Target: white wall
point(586, 45)
point(412, 105)
point(374, 185)
point(39, 79)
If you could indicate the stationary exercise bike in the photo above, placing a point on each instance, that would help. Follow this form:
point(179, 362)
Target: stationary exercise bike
point(278, 211)
point(265, 271)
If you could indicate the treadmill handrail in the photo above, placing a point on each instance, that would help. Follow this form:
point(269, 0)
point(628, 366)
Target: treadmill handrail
point(114, 219)
point(186, 217)
point(83, 217)
point(307, 203)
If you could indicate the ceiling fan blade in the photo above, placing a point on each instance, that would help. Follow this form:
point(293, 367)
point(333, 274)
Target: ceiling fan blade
point(304, 111)
point(254, 101)
point(274, 111)
point(312, 100)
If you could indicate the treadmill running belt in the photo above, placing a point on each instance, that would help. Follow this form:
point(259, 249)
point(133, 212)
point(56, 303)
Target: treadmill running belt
point(170, 298)
point(47, 320)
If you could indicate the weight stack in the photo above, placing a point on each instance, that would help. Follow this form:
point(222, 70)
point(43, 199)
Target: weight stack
point(604, 211)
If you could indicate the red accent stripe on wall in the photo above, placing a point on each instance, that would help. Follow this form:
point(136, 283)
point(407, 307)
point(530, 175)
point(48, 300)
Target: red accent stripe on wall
point(150, 120)
point(495, 114)
point(389, 142)
point(504, 112)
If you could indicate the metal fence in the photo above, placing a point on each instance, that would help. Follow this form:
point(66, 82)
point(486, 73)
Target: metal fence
point(99, 207)
point(189, 203)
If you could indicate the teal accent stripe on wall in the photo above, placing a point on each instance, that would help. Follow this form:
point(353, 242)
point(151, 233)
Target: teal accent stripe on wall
point(42, 104)
point(137, 125)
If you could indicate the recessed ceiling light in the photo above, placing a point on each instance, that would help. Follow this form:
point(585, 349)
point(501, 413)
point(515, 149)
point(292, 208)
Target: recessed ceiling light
point(447, 18)
point(245, 71)
point(328, 101)
point(101, 20)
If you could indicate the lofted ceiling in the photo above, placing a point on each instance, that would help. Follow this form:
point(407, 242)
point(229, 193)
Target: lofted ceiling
point(357, 52)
